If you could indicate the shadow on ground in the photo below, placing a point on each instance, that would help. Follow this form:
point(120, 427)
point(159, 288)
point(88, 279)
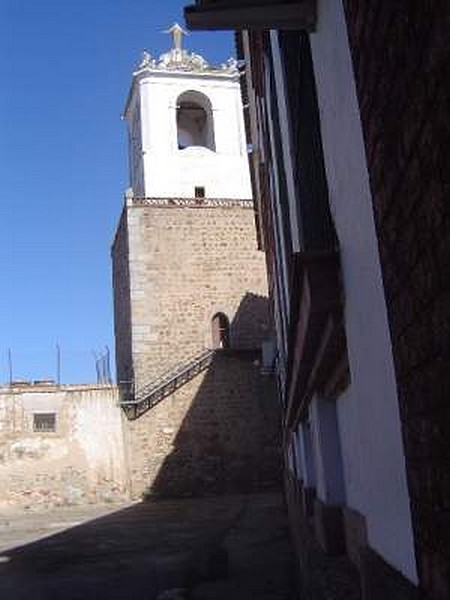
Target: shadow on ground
point(229, 547)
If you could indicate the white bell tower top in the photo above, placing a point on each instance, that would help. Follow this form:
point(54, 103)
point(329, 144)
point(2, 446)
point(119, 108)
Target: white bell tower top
point(186, 127)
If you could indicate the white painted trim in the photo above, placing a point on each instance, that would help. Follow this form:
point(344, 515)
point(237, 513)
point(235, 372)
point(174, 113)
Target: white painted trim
point(283, 119)
point(273, 173)
point(381, 492)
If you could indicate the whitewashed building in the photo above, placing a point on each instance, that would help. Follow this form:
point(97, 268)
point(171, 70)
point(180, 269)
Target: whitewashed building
point(186, 128)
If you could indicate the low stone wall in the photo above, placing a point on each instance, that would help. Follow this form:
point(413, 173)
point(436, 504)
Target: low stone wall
point(81, 460)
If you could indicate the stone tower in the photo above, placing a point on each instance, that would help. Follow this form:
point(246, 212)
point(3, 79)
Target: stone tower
point(190, 291)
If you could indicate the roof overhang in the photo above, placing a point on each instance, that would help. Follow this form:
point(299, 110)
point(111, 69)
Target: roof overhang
point(252, 14)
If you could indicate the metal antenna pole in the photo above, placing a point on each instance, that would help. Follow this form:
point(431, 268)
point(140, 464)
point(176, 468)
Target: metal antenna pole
point(10, 367)
point(96, 366)
point(58, 364)
point(103, 366)
point(108, 366)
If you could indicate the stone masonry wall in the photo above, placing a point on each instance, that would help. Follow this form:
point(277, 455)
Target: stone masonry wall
point(219, 433)
point(122, 306)
point(81, 461)
point(401, 57)
point(185, 265)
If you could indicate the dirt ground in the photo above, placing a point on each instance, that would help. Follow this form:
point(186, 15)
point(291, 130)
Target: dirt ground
point(19, 527)
point(232, 547)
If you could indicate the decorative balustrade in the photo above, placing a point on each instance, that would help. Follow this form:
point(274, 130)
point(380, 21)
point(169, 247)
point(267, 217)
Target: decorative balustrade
point(192, 202)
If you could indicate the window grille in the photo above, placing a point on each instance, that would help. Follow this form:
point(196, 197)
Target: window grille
point(44, 422)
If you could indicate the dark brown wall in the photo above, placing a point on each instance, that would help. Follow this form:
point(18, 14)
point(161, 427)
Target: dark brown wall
point(402, 66)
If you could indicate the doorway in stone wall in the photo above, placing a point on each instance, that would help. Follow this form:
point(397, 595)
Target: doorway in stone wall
point(220, 326)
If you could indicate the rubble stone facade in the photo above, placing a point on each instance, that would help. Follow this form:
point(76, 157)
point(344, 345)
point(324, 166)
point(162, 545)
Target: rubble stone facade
point(217, 434)
point(182, 263)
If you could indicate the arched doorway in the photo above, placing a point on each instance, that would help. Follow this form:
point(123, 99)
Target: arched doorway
point(220, 326)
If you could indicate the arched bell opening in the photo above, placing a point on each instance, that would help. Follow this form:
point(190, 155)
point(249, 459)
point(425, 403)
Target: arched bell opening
point(195, 123)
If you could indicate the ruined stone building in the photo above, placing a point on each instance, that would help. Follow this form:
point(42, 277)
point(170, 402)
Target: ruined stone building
point(190, 290)
point(60, 444)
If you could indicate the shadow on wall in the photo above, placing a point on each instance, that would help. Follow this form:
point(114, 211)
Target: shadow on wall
point(229, 440)
point(251, 327)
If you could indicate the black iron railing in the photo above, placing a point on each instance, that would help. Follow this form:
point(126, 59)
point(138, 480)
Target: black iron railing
point(136, 402)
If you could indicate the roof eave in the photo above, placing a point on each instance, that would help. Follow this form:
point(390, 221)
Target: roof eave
point(252, 15)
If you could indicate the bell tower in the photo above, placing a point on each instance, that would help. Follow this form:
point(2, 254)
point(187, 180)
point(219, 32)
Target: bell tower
point(186, 130)
point(190, 290)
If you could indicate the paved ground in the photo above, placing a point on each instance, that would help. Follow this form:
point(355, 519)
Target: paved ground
point(227, 548)
point(19, 527)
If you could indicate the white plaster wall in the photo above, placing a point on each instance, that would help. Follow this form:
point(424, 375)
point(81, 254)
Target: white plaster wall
point(170, 172)
point(83, 460)
point(42, 402)
point(286, 149)
point(96, 428)
point(369, 414)
point(352, 447)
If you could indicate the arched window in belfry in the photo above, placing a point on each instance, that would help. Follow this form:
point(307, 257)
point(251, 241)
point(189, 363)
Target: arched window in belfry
point(195, 123)
point(220, 331)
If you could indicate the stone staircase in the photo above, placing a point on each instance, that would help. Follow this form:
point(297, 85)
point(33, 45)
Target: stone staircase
point(136, 403)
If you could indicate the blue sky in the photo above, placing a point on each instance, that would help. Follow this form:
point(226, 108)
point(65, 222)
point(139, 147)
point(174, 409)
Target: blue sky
point(65, 69)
